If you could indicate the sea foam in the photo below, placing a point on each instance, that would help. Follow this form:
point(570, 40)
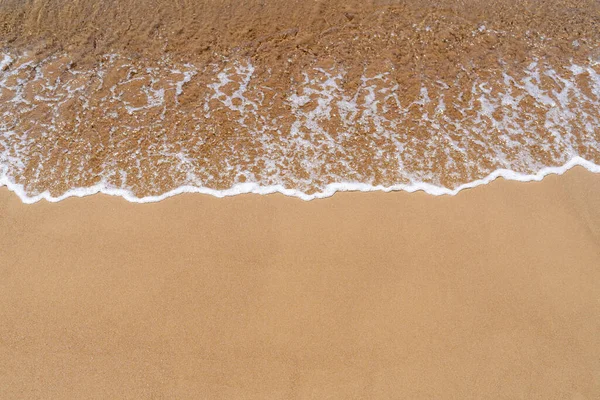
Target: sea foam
point(146, 132)
point(330, 190)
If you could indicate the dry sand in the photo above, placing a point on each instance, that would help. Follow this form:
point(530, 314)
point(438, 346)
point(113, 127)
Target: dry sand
point(494, 293)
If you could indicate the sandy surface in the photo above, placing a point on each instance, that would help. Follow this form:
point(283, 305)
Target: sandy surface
point(493, 293)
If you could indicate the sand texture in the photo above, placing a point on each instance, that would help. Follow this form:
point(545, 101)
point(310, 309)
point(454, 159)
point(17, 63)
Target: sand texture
point(491, 294)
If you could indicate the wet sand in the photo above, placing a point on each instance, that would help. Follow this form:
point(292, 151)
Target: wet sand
point(489, 294)
point(150, 96)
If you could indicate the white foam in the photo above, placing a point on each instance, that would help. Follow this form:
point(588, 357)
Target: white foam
point(375, 106)
point(6, 60)
point(328, 191)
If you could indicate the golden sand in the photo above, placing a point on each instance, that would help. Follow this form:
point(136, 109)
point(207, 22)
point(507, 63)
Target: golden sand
point(486, 295)
point(490, 294)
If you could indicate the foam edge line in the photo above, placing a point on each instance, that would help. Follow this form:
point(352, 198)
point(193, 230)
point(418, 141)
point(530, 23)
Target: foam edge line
point(329, 190)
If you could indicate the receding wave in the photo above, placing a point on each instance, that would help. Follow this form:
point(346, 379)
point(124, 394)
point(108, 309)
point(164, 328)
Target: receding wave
point(146, 128)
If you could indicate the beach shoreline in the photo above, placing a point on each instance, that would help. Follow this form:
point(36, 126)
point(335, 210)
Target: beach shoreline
point(450, 150)
point(154, 97)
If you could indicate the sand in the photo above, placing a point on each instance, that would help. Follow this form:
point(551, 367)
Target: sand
point(493, 293)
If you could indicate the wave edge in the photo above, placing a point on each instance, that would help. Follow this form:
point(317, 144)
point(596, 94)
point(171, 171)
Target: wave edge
point(330, 190)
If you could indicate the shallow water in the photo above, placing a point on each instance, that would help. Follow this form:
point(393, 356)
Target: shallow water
point(146, 128)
